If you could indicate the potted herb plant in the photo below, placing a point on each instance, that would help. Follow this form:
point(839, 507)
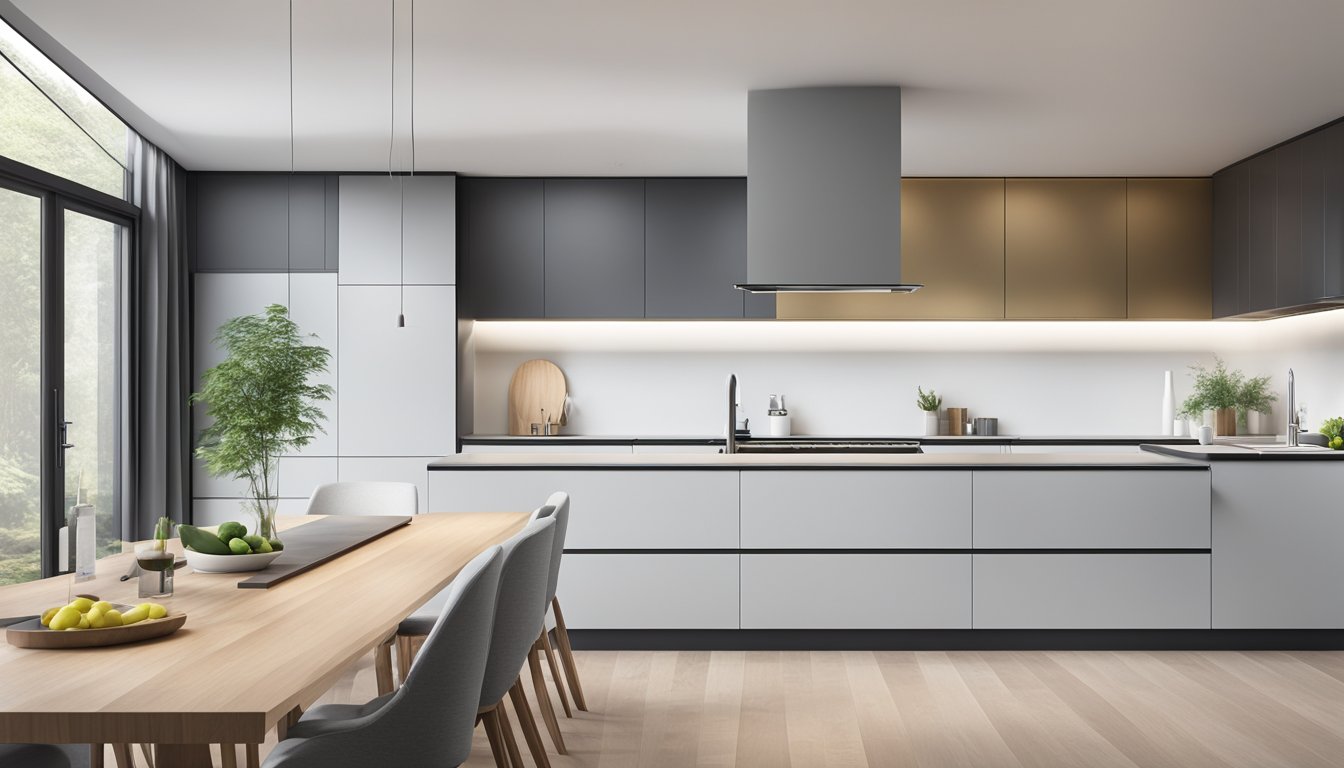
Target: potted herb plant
point(929, 402)
point(263, 404)
point(1253, 401)
point(1217, 390)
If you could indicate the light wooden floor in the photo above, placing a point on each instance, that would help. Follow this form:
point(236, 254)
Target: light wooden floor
point(932, 709)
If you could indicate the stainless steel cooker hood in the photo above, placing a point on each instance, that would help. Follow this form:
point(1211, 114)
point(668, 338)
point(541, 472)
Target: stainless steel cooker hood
point(824, 190)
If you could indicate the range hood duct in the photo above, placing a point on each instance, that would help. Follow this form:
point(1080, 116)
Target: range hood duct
point(824, 190)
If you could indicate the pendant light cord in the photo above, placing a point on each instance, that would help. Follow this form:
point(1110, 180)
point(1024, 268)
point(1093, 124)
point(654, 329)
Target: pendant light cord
point(401, 188)
point(403, 199)
point(289, 187)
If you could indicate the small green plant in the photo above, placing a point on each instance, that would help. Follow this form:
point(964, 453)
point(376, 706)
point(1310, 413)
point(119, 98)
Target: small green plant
point(928, 401)
point(1254, 395)
point(262, 402)
point(1214, 389)
point(162, 530)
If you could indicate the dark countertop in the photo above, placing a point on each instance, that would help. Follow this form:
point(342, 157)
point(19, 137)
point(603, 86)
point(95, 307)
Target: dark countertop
point(1118, 440)
point(1229, 452)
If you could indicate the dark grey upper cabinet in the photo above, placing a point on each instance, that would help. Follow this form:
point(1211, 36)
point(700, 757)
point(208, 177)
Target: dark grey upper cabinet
point(1332, 224)
point(1257, 267)
point(261, 222)
point(1323, 213)
point(1278, 227)
point(1289, 288)
point(1227, 188)
point(594, 259)
point(695, 235)
point(503, 270)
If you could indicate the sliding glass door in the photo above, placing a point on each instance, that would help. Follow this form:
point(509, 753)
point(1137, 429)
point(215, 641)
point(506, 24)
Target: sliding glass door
point(20, 386)
point(62, 321)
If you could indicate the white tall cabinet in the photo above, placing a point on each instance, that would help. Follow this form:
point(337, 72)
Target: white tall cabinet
point(394, 406)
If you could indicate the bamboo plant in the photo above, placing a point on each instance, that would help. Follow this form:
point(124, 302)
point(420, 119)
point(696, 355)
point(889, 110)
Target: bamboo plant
point(262, 403)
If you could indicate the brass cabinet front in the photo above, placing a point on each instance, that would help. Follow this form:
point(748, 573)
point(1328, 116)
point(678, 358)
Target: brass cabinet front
point(1042, 249)
point(1064, 249)
point(1170, 249)
point(951, 242)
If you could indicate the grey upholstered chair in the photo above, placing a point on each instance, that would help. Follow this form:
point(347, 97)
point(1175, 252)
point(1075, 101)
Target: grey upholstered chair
point(44, 756)
point(518, 620)
point(364, 498)
point(556, 508)
point(560, 501)
point(369, 497)
point(407, 643)
point(430, 719)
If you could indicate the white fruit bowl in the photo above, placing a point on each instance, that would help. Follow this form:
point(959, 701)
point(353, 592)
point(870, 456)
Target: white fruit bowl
point(205, 563)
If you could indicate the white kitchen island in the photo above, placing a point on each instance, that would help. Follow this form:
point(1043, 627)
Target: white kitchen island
point(767, 543)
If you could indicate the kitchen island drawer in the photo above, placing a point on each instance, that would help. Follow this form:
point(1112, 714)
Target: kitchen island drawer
point(649, 591)
point(655, 509)
point(1086, 509)
point(856, 591)
point(856, 510)
point(1092, 591)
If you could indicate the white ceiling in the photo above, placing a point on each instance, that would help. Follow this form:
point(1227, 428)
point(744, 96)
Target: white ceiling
point(639, 87)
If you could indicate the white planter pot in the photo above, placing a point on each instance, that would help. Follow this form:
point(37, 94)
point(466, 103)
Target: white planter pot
point(1255, 423)
point(931, 423)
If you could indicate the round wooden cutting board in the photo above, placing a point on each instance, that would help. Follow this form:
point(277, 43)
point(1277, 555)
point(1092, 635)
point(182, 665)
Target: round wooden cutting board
point(537, 391)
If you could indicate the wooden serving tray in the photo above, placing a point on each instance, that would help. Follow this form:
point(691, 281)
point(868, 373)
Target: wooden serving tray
point(31, 633)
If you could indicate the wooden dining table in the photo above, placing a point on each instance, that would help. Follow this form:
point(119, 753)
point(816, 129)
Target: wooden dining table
point(246, 661)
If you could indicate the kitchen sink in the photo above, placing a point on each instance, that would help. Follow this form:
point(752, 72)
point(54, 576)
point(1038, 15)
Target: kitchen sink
point(1283, 448)
point(847, 446)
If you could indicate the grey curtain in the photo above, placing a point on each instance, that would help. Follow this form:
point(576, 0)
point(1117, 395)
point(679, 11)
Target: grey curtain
point(156, 460)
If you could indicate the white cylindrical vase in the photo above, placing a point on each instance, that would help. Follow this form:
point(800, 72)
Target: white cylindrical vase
point(931, 423)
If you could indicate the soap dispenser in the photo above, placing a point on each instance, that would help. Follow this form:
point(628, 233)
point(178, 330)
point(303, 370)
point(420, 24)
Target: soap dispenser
point(780, 422)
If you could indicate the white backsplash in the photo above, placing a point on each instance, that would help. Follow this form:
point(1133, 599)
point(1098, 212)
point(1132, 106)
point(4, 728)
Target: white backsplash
point(1041, 380)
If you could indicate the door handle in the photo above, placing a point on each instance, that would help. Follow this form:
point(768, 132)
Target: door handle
point(62, 429)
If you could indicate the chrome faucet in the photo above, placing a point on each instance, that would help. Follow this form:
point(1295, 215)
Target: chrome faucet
point(1294, 422)
point(730, 438)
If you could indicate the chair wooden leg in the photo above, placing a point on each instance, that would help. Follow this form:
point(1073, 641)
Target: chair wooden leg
point(528, 725)
point(125, 757)
point(228, 755)
point(490, 719)
point(406, 649)
point(382, 666)
point(544, 698)
point(555, 671)
point(510, 743)
point(567, 656)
